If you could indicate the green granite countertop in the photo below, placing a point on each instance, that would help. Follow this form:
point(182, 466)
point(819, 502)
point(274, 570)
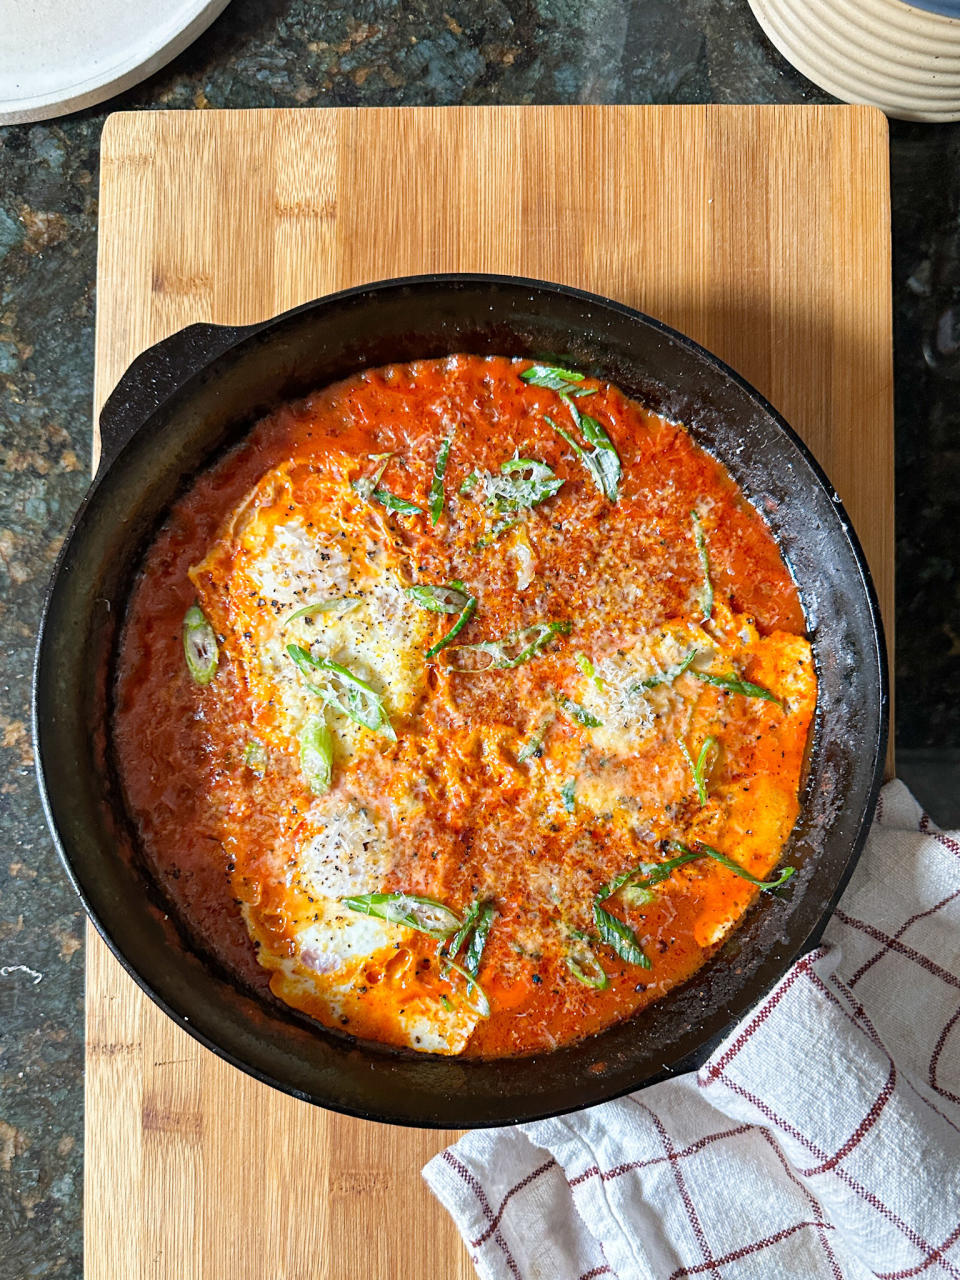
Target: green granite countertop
point(376, 53)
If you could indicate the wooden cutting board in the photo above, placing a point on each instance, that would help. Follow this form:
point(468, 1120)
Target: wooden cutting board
point(761, 231)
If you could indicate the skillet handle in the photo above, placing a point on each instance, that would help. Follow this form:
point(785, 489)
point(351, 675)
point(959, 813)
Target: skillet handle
point(156, 375)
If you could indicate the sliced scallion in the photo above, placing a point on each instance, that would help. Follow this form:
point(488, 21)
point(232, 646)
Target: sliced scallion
point(582, 962)
point(341, 689)
point(451, 948)
point(635, 895)
point(665, 677)
point(469, 609)
point(255, 757)
point(705, 850)
point(449, 599)
point(615, 885)
point(588, 669)
point(474, 988)
point(651, 873)
point(534, 743)
point(523, 482)
point(367, 484)
point(435, 497)
point(339, 604)
point(634, 885)
point(733, 684)
point(474, 952)
point(512, 650)
point(578, 713)
point(706, 590)
point(425, 915)
point(551, 376)
point(620, 937)
point(602, 461)
point(369, 489)
point(199, 646)
point(316, 755)
point(698, 766)
point(500, 527)
point(604, 454)
point(393, 502)
point(567, 794)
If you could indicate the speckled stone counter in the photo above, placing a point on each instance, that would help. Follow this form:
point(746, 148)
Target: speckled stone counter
point(297, 53)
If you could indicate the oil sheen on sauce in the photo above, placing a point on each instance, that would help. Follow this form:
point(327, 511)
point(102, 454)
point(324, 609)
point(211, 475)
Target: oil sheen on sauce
point(641, 705)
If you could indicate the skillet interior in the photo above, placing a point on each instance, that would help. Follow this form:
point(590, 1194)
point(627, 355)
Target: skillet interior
point(174, 410)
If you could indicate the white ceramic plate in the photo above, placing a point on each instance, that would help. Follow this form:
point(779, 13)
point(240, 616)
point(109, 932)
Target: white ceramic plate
point(892, 55)
point(57, 56)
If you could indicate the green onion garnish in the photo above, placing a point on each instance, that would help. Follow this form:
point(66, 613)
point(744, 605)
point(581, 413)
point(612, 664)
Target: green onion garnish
point(550, 376)
point(446, 1004)
point(588, 669)
point(523, 482)
point(199, 646)
point(367, 484)
point(393, 502)
point(620, 937)
point(425, 915)
point(342, 690)
point(533, 744)
point(733, 684)
point(514, 649)
point(578, 713)
point(664, 677)
point(638, 880)
point(604, 457)
point(698, 766)
point(436, 484)
point(635, 895)
point(651, 873)
point(583, 964)
point(500, 527)
point(636, 883)
point(449, 599)
point(462, 934)
point(566, 794)
point(474, 987)
point(602, 461)
point(614, 885)
point(474, 952)
point(316, 755)
point(705, 850)
point(369, 489)
point(706, 591)
point(255, 757)
point(340, 604)
point(467, 613)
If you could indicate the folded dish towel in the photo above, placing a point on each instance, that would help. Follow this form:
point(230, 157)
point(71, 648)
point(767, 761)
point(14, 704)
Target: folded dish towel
point(822, 1139)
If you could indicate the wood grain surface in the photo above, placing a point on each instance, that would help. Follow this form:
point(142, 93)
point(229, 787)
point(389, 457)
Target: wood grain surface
point(763, 232)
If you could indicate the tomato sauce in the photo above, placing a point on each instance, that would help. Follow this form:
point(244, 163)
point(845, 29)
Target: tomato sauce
point(530, 788)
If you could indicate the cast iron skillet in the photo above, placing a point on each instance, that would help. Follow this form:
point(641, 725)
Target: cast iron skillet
point(176, 407)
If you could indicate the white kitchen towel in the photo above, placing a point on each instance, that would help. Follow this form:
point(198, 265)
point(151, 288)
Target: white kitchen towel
point(822, 1139)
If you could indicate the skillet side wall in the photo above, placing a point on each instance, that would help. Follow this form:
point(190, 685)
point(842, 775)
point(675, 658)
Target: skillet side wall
point(154, 458)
